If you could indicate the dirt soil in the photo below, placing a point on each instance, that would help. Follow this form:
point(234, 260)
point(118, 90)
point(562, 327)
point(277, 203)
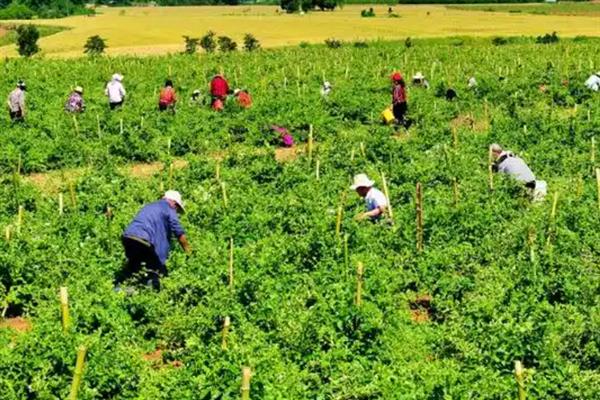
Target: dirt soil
point(420, 308)
point(18, 324)
point(470, 122)
point(156, 359)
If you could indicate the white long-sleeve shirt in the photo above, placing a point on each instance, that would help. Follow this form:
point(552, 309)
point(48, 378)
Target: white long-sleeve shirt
point(593, 82)
point(115, 91)
point(515, 167)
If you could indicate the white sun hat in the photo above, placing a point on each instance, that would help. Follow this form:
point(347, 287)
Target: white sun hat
point(327, 84)
point(78, 89)
point(361, 180)
point(174, 196)
point(419, 75)
point(236, 92)
point(117, 77)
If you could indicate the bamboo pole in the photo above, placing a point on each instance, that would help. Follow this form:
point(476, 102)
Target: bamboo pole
point(224, 191)
point(78, 374)
point(218, 171)
point(598, 185)
point(20, 218)
point(60, 204)
point(359, 280)
point(531, 242)
point(246, 376)
point(362, 150)
point(346, 256)
point(593, 152)
point(387, 196)
point(491, 168)
point(317, 168)
point(419, 210)
point(171, 171)
point(554, 207)
point(76, 125)
point(310, 143)
point(226, 324)
point(7, 233)
point(519, 376)
point(231, 263)
point(338, 222)
point(121, 129)
point(73, 194)
point(64, 308)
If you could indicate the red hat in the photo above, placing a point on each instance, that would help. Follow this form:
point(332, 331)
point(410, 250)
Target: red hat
point(396, 76)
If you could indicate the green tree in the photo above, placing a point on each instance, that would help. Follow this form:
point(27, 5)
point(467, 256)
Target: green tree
point(208, 42)
point(27, 37)
point(191, 45)
point(94, 46)
point(251, 43)
point(226, 44)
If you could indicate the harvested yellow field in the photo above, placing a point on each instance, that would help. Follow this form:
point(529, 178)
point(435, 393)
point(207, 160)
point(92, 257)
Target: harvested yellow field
point(155, 30)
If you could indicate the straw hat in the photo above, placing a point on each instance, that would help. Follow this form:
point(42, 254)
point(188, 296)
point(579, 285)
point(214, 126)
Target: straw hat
point(78, 89)
point(175, 196)
point(419, 75)
point(361, 180)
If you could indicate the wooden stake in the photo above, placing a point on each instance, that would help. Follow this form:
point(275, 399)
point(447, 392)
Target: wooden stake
point(362, 150)
point(554, 207)
point(226, 324)
point(359, 281)
point(76, 125)
point(310, 143)
point(231, 263)
point(224, 191)
point(171, 176)
point(346, 256)
point(78, 374)
point(419, 210)
point(593, 154)
point(598, 184)
point(121, 125)
point(387, 196)
point(7, 233)
point(519, 376)
point(491, 168)
point(64, 308)
point(73, 195)
point(60, 204)
point(20, 217)
point(317, 175)
point(218, 171)
point(338, 223)
point(246, 375)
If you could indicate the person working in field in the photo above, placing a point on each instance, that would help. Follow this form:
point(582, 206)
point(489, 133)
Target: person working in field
point(326, 89)
point(593, 82)
point(196, 98)
point(167, 98)
point(399, 100)
point(147, 239)
point(375, 200)
point(243, 98)
point(219, 89)
point(419, 80)
point(16, 102)
point(115, 91)
point(75, 103)
point(508, 163)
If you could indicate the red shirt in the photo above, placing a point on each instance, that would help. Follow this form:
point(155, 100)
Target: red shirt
point(219, 86)
point(167, 96)
point(398, 94)
point(244, 99)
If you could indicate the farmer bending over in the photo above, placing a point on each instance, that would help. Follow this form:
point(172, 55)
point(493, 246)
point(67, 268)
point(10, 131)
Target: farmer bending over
point(16, 102)
point(167, 98)
point(115, 91)
point(593, 82)
point(147, 239)
point(75, 103)
point(219, 89)
point(420, 80)
point(243, 98)
point(375, 200)
point(508, 163)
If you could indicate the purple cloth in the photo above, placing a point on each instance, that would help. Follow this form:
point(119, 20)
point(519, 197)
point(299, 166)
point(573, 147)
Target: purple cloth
point(286, 137)
point(156, 223)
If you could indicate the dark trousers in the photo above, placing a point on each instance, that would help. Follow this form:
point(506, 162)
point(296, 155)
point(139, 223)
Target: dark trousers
point(399, 110)
point(16, 116)
point(138, 254)
point(115, 105)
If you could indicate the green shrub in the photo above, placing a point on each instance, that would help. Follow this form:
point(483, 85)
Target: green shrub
point(94, 46)
point(191, 44)
point(226, 44)
point(27, 37)
point(208, 42)
point(16, 11)
point(367, 13)
point(499, 41)
point(548, 38)
point(333, 43)
point(251, 43)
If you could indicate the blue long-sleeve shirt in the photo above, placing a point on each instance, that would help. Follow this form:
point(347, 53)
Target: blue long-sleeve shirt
point(156, 223)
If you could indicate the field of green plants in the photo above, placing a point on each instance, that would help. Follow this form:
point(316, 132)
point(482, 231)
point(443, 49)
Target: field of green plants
point(499, 279)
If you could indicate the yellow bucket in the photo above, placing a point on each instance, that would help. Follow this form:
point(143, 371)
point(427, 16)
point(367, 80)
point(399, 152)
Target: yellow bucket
point(387, 115)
